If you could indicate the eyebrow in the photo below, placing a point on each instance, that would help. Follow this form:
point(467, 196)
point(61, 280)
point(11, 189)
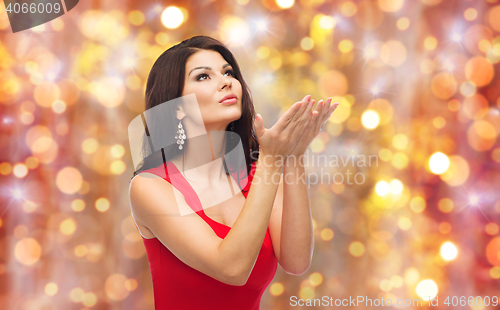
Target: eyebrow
point(207, 68)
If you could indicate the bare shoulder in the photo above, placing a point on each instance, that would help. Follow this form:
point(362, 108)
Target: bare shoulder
point(147, 190)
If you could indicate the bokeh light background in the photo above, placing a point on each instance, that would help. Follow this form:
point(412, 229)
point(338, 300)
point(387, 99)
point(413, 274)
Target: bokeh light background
point(419, 87)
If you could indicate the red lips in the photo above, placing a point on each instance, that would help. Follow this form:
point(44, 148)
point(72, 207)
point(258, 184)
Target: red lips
point(228, 96)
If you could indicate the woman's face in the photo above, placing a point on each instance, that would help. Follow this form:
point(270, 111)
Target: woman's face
point(210, 77)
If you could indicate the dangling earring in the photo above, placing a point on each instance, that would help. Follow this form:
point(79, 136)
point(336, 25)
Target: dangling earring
point(232, 129)
point(180, 136)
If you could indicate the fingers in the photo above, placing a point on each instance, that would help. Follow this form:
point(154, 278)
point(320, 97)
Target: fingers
point(290, 114)
point(259, 126)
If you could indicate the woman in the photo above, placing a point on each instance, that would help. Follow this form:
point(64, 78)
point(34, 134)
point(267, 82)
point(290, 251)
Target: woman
point(222, 255)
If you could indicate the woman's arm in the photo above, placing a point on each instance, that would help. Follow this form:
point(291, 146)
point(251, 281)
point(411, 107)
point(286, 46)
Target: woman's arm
point(291, 220)
point(291, 230)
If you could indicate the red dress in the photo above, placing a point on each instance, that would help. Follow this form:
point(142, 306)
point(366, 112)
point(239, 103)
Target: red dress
point(178, 286)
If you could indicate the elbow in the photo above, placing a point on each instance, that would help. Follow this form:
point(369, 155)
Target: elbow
point(298, 269)
point(237, 277)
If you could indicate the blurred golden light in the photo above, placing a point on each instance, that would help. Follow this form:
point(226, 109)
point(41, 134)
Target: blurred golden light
point(382, 188)
point(400, 141)
point(396, 187)
point(430, 43)
point(491, 228)
point(90, 145)
point(27, 251)
point(427, 66)
point(481, 135)
point(454, 105)
point(78, 205)
point(51, 289)
point(285, 4)
point(115, 287)
point(5, 168)
point(445, 205)
point(393, 53)
point(326, 22)
point(475, 107)
point(444, 227)
point(20, 170)
point(411, 276)
point(417, 204)
point(383, 108)
point(348, 8)
point(29, 206)
point(315, 278)
point(368, 16)
point(448, 251)
point(76, 294)
point(31, 162)
point(38, 139)
point(68, 226)
point(470, 14)
point(118, 167)
point(404, 223)
point(457, 173)
point(136, 17)
point(81, 250)
point(385, 154)
point(306, 44)
point(333, 83)
point(439, 122)
point(20, 231)
point(58, 106)
point(427, 289)
point(494, 18)
point(403, 23)
point(439, 163)
point(495, 155)
point(390, 5)
point(306, 293)
point(276, 289)
point(495, 272)
point(101, 90)
point(234, 30)
point(467, 89)
point(69, 180)
point(493, 251)
point(89, 299)
point(444, 85)
point(345, 46)
point(263, 51)
point(327, 234)
point(46, 93)
point(131, 284)
point(479, 71)
point(385, 285)
point(356, 249)
point(117, 151)
point(484, 45)
point(102, 204)
point(396, 281)
point(370, 119)
point(172, 17)
point(399, 160)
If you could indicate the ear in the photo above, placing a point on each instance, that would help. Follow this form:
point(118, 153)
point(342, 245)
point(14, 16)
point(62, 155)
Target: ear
point(180, 114)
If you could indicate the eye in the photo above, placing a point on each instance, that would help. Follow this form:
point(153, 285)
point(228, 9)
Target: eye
point(198, 78)
point(230, 72)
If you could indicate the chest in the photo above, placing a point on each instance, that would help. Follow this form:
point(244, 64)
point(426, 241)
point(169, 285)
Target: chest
point(226, 211)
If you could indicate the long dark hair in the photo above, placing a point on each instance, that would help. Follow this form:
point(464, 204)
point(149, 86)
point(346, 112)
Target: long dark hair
point(166, 82)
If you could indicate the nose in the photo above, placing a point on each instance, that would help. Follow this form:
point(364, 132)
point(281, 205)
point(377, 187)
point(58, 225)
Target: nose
point(226, 81)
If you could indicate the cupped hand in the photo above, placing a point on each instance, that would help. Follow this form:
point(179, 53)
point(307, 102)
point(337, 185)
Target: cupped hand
point(319, 116)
